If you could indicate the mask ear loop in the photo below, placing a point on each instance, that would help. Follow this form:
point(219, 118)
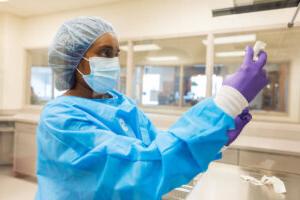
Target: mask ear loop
point(79, 70)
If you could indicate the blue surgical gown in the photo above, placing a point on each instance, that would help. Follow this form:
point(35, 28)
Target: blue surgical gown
point(102, 149)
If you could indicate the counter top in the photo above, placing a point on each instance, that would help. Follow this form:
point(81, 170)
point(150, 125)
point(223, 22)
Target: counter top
point(21, 117)
point(27, 118)
point(271, 145)
point(7, 118)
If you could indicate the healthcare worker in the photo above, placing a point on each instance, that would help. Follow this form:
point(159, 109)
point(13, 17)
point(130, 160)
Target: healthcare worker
point(94, 143)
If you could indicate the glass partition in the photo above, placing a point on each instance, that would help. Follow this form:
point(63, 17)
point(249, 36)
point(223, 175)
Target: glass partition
point(123, 59)
point(172, 72)
point(41, 77)
point(194, 84)
point(169, 72)
point(282, 46)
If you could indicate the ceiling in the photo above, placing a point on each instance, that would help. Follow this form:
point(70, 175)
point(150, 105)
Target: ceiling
point(38, 7)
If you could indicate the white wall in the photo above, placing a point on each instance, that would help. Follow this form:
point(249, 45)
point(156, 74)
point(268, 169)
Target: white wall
point(1, 57)
point(11, 63)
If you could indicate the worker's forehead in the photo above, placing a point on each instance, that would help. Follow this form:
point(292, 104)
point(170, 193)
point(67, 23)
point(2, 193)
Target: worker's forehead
point(107, 39)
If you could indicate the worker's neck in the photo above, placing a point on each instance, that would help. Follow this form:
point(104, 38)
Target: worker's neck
point(83, 91)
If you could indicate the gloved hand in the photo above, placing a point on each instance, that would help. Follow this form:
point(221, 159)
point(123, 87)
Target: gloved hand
point(240, 122)
point(251, 78)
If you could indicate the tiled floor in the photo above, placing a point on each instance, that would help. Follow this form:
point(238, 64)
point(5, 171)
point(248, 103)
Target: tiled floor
point(12, 188)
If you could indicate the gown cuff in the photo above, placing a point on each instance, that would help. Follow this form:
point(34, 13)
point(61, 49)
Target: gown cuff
point(231, 101)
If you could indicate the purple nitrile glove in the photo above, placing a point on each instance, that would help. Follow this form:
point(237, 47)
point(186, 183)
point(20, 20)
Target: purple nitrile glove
point(250, 78)
point(240, 122)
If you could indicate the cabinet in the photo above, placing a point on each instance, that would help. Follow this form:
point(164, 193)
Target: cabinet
point(255, 156)
point(230, 156)
point(270, 161)
point(6, 142)
point(25, 148)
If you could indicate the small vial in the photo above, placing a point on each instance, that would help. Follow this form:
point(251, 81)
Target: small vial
point(259, 45)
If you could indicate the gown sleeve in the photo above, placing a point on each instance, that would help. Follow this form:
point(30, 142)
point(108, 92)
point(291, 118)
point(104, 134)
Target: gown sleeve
point(78, 158)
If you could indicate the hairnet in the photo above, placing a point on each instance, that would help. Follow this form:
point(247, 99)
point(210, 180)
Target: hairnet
point(70, 44)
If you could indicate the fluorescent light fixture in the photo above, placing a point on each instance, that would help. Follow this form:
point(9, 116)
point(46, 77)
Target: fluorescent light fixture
point(230, 54)
point(233, 39)
point(162, 58)
point(3, 1)
point(142, 47)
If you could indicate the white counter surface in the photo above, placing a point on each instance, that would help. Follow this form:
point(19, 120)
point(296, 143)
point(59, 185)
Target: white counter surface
point(222, 181)
point(27, 118)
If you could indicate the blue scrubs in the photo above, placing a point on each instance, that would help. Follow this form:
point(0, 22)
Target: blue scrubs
point(101, 149)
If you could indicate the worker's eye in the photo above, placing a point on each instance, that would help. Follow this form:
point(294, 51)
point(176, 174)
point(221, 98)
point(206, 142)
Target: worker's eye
point(107, 53)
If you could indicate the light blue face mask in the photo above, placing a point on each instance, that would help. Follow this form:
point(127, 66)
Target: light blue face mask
point(105, 74)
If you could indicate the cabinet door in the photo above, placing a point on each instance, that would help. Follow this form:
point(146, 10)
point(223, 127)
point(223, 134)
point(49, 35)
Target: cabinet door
point(25, 149)
point(229, 156)
point(6, 147)
point(268, 161)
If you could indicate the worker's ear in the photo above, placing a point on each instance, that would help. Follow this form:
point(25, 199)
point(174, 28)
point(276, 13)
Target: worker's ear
point(84, 66)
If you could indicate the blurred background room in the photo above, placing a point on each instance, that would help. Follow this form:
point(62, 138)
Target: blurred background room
point(174, 53)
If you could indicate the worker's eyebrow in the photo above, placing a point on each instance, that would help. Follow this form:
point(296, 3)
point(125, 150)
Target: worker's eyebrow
point(105, 46)
point(108, 47)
